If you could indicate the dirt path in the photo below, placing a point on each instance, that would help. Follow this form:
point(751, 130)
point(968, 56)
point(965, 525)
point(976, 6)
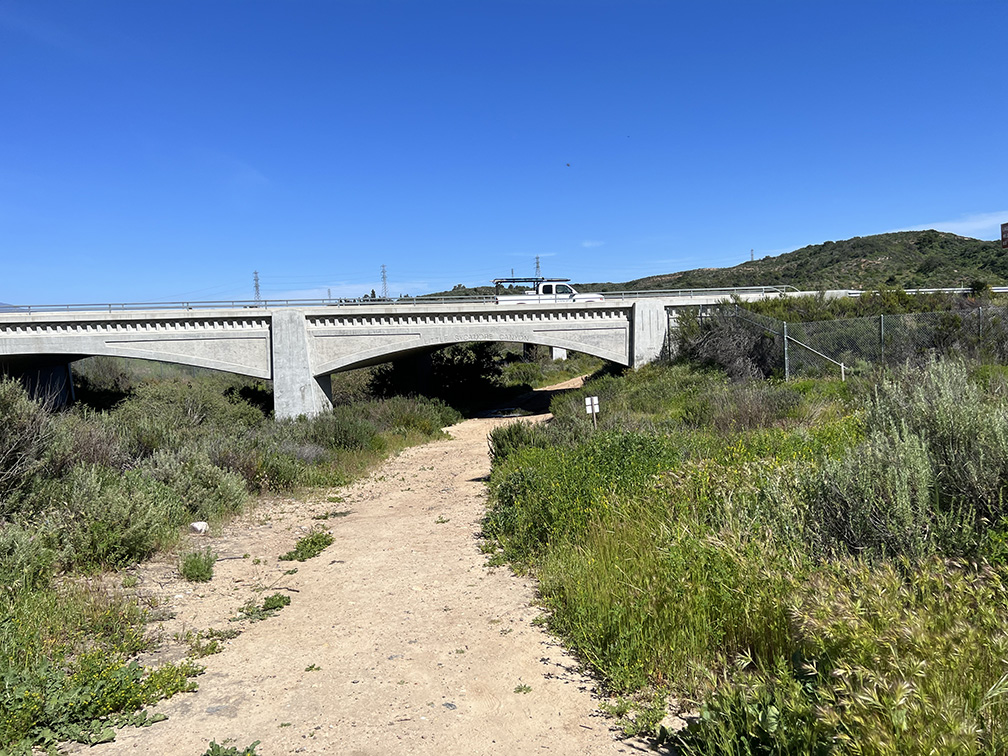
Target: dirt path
point(398, 638)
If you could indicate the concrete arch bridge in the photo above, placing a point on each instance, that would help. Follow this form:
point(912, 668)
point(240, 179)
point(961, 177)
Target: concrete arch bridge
point(299, 347)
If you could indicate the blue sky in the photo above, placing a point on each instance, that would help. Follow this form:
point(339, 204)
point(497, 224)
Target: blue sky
point(156, 151)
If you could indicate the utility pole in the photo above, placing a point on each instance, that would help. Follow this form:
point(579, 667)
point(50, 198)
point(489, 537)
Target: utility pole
point(255, 279)
point(384, 282)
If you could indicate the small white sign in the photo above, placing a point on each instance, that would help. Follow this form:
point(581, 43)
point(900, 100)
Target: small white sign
point(591, 405)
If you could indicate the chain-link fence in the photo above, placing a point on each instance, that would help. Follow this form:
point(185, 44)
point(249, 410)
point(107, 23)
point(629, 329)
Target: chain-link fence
point(837, 346)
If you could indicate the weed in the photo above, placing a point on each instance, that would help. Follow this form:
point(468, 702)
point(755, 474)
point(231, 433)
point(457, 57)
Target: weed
point(333, 513)
point(309, 546)
point(208, 642)
point(219, 750)
point(197, 566)
point(254, 612)
point(523, 688)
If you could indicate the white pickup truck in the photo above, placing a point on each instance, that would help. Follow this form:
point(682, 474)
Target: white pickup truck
point(547, 290)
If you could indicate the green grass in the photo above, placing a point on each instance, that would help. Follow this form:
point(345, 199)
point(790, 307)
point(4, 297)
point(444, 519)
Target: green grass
point(817, 568)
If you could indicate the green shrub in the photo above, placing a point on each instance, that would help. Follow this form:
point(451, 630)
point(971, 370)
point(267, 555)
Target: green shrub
point(26, 560)
point(341, 429)
point(197, 566)
point(108, 519)
point(882, 497)
point(26, 429)
point(504, 440)
point(208, 492)
point(965, 432)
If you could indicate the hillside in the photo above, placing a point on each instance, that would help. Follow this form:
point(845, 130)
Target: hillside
point(906, 259)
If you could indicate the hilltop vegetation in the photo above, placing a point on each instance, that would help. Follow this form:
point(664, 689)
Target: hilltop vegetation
point(905, 260)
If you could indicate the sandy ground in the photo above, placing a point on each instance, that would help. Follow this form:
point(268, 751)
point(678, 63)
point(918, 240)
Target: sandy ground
point(398, 638)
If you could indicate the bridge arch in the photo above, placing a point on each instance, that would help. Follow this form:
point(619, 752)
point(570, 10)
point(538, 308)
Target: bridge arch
point(379, 355)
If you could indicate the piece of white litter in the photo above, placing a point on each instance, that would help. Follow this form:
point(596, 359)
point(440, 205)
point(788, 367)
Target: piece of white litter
point(200, 528)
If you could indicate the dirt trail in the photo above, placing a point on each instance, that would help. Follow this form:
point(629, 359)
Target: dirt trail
point(398, 639)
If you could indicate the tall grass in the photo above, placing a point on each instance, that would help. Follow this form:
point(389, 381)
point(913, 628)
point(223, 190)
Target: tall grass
point(816, 567)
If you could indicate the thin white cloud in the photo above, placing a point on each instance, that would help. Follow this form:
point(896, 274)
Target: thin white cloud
point(589, 243)
point(244, 176)
point(39, 31)
point(977, 225)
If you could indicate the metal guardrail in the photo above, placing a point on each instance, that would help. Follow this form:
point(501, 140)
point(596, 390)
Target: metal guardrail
point(691, 293)
point(234, 304)
point(248, 304)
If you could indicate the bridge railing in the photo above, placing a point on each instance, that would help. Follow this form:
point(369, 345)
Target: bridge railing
point(249, 304)
point(234, 304)
point(692, 293)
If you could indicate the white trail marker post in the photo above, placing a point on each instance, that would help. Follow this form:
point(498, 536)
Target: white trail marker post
point(591, 407)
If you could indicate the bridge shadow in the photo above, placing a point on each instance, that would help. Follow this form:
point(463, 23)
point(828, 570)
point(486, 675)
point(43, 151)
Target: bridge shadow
point(537, 401)
point(532, 402)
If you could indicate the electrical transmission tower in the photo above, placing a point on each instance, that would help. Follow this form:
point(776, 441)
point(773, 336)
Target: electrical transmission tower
point(384, 282)
point(538, 271)
point(255, 279)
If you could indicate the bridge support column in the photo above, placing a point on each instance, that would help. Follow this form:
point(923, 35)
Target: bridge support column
point(650, 329)
point(48, 382)
point(296, 390)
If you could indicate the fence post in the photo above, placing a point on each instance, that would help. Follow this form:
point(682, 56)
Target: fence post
point(787, 367)
point(979, 331)
point(881, 339)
